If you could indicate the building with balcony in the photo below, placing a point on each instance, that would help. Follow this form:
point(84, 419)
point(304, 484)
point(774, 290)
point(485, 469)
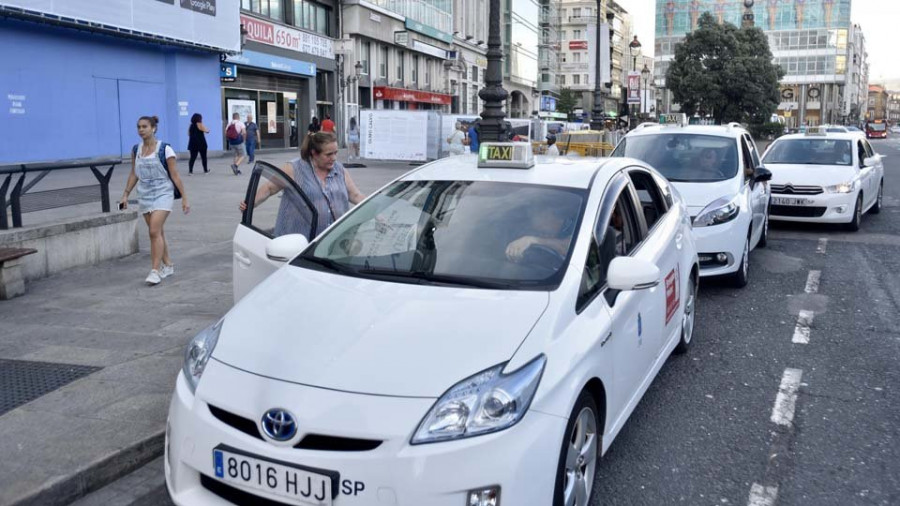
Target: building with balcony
point(878, 104)
point(466, 68)
point(812, 40)
point(893, 107)
point(548, 59)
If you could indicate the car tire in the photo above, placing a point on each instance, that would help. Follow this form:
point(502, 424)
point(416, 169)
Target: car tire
point(579, 454)
point(740, 278)
point(853, 226)
point(688, 319)
point(876, 207)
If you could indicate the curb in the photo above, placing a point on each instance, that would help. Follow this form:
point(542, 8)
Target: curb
point(70, 488)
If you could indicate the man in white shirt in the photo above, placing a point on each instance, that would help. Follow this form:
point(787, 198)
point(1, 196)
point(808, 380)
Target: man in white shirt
point(552, 149)
point(236, 134)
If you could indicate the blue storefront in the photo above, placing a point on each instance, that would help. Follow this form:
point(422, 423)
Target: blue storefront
point(74, 92)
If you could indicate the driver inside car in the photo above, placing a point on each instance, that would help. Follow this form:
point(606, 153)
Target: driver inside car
point(549, 227)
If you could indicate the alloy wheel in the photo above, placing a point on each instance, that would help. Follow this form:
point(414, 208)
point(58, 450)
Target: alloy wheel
point(581, 459)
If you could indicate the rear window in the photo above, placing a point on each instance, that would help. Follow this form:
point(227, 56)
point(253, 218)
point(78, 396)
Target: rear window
point(684, 157)
point(811, 152)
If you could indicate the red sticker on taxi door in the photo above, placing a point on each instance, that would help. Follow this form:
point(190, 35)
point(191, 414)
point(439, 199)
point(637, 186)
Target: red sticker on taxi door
point(672, 298)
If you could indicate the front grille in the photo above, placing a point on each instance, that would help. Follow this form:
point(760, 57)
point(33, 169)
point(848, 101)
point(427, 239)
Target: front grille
point(796, 190)
point(235, 495)
point(310, 442)
point(797, 211)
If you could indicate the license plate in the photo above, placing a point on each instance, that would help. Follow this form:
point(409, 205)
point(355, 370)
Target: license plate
point(300, 485)
point(788, 201)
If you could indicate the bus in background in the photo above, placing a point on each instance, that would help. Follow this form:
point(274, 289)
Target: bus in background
point(876, 129)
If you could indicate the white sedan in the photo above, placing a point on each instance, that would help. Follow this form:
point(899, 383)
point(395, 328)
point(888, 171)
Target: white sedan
point(824, 177)
point(466, 335)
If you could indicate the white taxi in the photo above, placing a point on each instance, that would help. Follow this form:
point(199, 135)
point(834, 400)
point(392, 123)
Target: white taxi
point(468, 334)
point(718, 171)
point(824, 177)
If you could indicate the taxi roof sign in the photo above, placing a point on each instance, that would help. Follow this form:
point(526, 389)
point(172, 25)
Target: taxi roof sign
point(678, 118)
point(505, 155)
point(816, 131)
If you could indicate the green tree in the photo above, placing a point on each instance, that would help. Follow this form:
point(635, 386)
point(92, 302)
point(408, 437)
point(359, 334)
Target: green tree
point(725, 71)
point(566, 102)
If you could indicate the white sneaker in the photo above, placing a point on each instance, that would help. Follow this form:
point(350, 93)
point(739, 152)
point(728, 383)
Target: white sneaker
point(153, 278)
point(166, 271)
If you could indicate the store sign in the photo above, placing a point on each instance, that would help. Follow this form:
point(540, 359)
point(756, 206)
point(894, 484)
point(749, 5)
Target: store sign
point(429, 49)
point(403, 95)
point(227, 72)
point(287, 38)
point(429, 31)
point(272, 62)
point(192, 21)
point(401, 38)
point(578, 44)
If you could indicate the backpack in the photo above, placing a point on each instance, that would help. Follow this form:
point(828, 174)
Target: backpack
point(162, 159)
point(231, 133)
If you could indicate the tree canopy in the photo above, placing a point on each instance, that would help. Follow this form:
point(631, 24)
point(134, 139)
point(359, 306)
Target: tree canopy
point(725, 71)
point(566, 102)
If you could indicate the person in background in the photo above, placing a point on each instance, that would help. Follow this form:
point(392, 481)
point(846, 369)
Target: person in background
point(197, 142)
point(156, 183)
point(327, 124)
point(353, 138)
point(314, 126)
point(322, 178)
point(236, 133)
point(455, 140)
point(253, 139)
point(473, 138)
point(552, 148)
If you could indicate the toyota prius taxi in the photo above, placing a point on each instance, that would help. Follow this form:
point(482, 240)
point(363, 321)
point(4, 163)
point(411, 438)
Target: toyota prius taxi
point(475, 333)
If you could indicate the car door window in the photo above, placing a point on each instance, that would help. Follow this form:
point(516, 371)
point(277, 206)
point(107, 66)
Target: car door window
point(748, 164)
point(653, 204)
point(754, 152)
point(861, 152)
point(276, 205)
point(868, 147)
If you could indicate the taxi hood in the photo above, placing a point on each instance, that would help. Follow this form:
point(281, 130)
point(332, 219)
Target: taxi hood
point(373, 337)
point(811, 175)
point(699, 195)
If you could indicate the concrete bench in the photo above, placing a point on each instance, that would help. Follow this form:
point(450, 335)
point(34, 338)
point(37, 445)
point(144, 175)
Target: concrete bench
point(12, 280)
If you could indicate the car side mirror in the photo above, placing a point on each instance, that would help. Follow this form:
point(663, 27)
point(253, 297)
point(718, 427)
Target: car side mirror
point(286, 247)
point(870, 161)
point(762, 174)
point(627, 273)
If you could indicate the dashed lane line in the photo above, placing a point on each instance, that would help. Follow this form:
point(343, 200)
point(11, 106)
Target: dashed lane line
point(786, 400)
point(801, 330)
point(762, 496)
point(812, 282)
point(823, 243)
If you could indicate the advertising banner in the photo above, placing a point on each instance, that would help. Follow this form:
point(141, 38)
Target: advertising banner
point(394, 135)
point(287, 38)
point(634, 87)
point(210, 23)
point(404, 95)
point(678, 17)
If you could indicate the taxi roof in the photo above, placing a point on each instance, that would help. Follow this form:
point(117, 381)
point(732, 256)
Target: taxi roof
point(732, 130)
point(547, 170)
point(849, 136)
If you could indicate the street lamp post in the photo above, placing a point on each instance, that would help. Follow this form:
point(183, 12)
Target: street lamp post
point(492, 127)
point(597, 112)
point(635, 49)
point(645, 73)
point(358, 68)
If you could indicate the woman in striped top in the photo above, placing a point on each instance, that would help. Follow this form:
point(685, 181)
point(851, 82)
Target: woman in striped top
point(322, 178)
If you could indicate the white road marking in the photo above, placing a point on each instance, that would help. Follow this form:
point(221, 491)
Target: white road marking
point(823, 242)
point(785, 401)
point(812, 282)
point(762, 496)
point(801, 331)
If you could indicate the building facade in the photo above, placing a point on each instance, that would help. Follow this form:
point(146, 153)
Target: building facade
point(810, 39)
point(521, 40)
point(878, 103)
point(893, 107)
point(548, 59)
point(469, 61)
point(118, 60)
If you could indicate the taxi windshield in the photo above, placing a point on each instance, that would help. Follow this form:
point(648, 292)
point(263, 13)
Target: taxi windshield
point(684, 157)
point(464, 233)
point(811, 152)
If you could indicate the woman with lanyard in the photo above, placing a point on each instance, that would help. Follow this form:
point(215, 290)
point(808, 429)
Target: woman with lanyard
point(322, 178)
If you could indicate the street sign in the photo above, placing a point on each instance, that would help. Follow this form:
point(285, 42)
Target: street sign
point(227, 72)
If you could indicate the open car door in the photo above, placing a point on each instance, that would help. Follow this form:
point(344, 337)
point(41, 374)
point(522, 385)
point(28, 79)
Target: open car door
point(257, 253)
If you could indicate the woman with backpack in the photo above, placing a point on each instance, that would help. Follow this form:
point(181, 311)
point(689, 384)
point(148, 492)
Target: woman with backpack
point(154, 173)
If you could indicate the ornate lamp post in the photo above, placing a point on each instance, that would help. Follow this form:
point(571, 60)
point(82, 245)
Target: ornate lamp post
point(597, 112)
point(492, 127)
point(645, 73)
point(635, 49)
point(358, 68)
point(748, 19)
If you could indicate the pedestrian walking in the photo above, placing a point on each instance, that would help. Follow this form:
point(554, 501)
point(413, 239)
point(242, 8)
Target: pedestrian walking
point(253, 138)
point(327, 124)
point(314, 126)
point(197, 142)
point(353, 138)
point(322, 178)
point(455, 140)
point(236, 134)
point(155, 174)
point(473, 137)
point(552, 148)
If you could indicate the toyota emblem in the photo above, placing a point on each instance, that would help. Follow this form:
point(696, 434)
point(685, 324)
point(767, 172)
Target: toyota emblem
point(279, 424)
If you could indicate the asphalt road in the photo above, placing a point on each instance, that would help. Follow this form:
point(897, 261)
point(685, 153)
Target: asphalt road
point(717, 426)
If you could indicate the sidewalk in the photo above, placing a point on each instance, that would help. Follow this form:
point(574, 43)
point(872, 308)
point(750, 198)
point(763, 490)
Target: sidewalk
point(73, 439)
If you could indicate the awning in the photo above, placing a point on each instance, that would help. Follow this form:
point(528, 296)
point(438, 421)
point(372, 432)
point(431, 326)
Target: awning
point(404, 95)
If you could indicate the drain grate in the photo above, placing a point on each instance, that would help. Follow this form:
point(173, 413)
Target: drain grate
point(22, 381)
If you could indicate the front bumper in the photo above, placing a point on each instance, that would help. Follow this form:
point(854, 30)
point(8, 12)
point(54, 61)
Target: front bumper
point(821, 208)
point(522, 460)
point(727, 238)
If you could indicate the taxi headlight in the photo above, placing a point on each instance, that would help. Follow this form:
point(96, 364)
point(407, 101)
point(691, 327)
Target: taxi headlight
point(847, 187)
point(489, 401)
point(719, 211)
point(198, 352)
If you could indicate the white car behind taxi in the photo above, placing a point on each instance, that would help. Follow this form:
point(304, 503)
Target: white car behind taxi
point(477, 332)
point(824, 177)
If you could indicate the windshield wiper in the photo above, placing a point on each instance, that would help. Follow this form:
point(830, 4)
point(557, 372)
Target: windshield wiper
point(329, 264)
point(436, 278)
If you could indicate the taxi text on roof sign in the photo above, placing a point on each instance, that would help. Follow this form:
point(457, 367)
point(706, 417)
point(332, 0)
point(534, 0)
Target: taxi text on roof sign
point(673, 119)
point(505, 155)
